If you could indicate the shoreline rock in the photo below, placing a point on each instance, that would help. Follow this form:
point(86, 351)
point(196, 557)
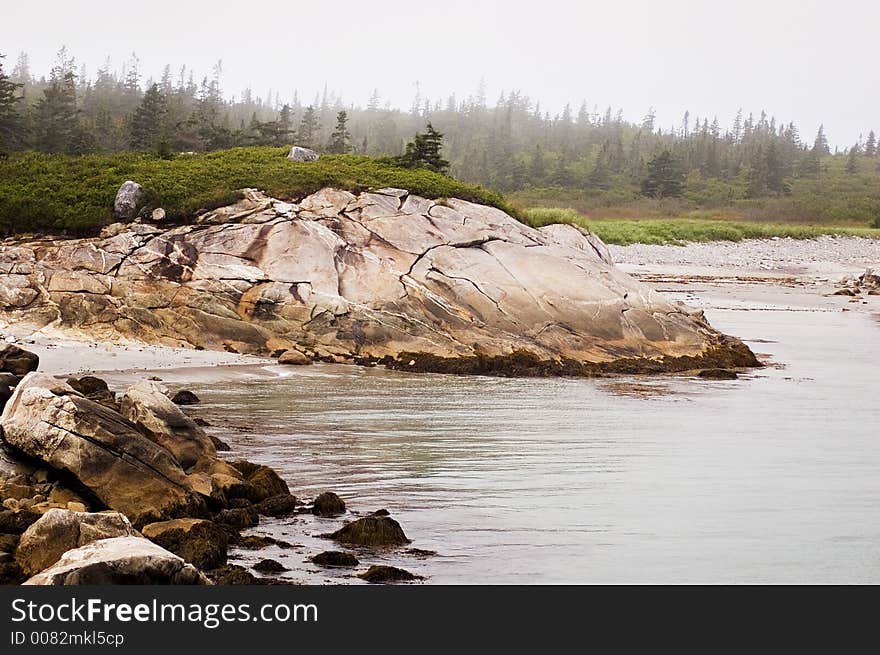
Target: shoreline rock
point(371, 278)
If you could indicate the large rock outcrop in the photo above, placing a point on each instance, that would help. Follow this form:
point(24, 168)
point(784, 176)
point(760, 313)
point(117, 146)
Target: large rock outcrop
point(385, 276)
point(50, 421)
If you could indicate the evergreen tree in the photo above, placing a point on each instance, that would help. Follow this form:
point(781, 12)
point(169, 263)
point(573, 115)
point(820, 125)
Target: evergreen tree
point(307, 134)
point(665, 179)
point(820, 145)
point(424, 152)
point(852, 160)
point(871, 144)
point(340, 141)
point(10, 120)
point(148, 121)
point(55, 116)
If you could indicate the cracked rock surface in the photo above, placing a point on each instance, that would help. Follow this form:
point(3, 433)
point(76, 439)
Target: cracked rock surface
point(340, 276)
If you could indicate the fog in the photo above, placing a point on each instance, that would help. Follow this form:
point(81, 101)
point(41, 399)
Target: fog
point(800, 60)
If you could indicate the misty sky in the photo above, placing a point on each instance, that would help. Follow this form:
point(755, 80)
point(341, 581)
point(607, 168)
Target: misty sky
point(801, 60)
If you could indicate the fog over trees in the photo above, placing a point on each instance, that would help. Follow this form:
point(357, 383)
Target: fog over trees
point(509, 144)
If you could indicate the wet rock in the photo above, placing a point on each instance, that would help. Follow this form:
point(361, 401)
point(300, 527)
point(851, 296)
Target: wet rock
point(258, 542)
point(294, 358)
point(202, 423)
point(420, 553)
point(328, 504)
point(47, 420)
point(219, 444)
point(280, 505)
point(383, 574)
point(238, 518)
point(298, 153)
point(269, 566)
point(198, 541)
point(185, 397)
point(263, 481)
point(120, 560)
point(372, 532)
point(717, 374)
point(381, 512)
point(335, 558)
point(128, 200)
point(16, 360)
point(61, 530)
point(231, 574)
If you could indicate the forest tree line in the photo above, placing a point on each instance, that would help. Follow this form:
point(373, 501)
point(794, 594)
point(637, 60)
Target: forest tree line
point(511, 145)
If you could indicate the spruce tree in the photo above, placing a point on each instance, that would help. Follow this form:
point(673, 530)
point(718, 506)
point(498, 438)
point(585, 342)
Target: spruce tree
point(340, 141)
point(10, 120)
point(55, 116)
point(820, 145)
point(148, 121)
point(852, 160)
point(665, 179)
point(424, 152)
point(307, 134)
point(871, 144)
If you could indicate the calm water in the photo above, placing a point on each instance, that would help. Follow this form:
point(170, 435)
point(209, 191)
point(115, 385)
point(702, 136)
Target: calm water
point(771, 478)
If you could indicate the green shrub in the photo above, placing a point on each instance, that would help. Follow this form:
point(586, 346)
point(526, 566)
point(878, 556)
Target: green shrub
point(74, 195)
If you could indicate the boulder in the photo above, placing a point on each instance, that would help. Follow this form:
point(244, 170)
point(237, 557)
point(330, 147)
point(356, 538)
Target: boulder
point(280, 505)
point(9, 379)
point(94, 389)
point(231, 574)
point(47, 420)
point(199, 542)
point(128, 200)
point(298, 153)
point(238, 518)
point(328, 504)
point(120, 560)
point(294, 358)
point(16, 360)
point(269, 566)
point(60, 530)
point(335, 558)
point(382, 574)
point(263, 481)
point(16, 521)
point(146, 405)
point(185, 397)
point(372, 532)
point(717, 374)
point(158, 215)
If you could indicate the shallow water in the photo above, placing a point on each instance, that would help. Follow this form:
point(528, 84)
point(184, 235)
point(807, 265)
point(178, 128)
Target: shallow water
point(769, 478)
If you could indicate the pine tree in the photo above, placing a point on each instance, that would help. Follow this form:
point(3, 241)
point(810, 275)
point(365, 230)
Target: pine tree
point(55, 115)
point(10, 120)
point(664, 179)
point(148, 121)
point(424, 152)
point(871, 145)
point(820, 145)
point(307, 134)
point(852, 160)
point(340, 141)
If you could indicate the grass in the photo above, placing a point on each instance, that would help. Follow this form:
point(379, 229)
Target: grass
point(74, 195)
point(680, 231)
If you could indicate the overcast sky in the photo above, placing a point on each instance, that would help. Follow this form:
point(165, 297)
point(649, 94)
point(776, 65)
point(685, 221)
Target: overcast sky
point(802, 60)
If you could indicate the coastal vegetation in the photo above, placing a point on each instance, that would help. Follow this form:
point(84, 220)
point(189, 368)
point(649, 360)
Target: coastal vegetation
point(70, 137)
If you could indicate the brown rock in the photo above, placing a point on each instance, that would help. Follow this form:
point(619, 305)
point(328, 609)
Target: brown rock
point(383, 574)
point(335, 558)
point(199, 542)
point(372, 531)
point(16, 360)
point(59, 531)
point(294, 358)
point(328, 504)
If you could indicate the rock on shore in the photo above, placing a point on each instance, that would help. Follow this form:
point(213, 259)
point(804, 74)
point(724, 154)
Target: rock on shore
point(384, 276)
